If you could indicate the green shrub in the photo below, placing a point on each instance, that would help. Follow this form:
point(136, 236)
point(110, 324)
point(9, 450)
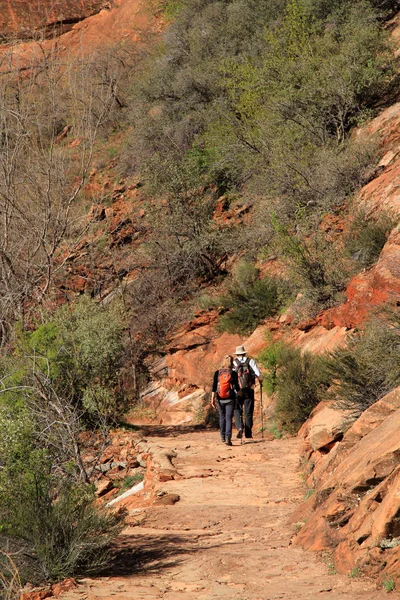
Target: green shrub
point(263, 92)
point(249, 300)
point(389, 584)
point(59, 379)
point(130, 481)
point(297, 379)
point(45, 512)
point(271, 359)
point(367, 237)
point(367, 368)
point(76, 356)
point(316, 265)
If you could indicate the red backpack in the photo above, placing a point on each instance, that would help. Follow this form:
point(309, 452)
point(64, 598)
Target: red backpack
point(225, 386)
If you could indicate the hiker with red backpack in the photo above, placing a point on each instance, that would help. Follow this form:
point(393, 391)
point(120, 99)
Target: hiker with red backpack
point(247, 372)
point(224, 390)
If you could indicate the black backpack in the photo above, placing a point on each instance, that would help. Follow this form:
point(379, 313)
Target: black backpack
point(245, 373)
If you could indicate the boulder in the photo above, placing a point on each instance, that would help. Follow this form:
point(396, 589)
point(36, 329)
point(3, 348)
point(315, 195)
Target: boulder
point(103, 486)
point(325, 426)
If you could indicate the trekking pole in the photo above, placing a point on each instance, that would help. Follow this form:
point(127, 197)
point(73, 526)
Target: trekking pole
point(262, 414)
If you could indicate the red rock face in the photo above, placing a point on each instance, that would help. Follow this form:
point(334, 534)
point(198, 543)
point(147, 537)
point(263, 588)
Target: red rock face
point(355, 508)
point(22, 18)
point(370, 289)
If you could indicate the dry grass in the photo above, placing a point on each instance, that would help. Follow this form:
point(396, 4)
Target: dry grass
point(10, 581)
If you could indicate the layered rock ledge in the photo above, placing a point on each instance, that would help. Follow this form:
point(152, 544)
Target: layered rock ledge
point(354, 505)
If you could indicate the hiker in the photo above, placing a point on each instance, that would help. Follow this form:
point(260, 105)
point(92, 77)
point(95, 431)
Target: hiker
point(247, 371)
point(224, 389)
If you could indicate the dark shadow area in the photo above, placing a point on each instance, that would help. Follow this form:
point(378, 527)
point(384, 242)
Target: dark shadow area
point(150, 554)
point(391, 96)
point(127, 426)
point(170, 430)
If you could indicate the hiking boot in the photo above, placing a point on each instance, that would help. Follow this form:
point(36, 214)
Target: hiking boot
point(239, 434)
point(228, 442)
point(223, 438)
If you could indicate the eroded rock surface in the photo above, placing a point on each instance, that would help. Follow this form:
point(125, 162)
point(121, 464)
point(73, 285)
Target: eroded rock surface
point(355, 510)
point(227, 536)
point(24, 18)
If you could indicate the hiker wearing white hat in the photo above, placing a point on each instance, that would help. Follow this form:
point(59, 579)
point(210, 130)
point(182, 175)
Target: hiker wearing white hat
point(247, 370)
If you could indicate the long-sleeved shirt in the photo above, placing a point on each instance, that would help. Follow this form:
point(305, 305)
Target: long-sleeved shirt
point(252, 364)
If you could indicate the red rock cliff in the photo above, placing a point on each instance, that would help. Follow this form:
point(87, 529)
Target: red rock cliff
point(22, 18)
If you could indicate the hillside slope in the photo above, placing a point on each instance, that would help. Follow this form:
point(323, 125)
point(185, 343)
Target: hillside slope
point(354, 470)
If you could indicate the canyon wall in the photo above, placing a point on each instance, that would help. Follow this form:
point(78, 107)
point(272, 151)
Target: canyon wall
point(22, 19)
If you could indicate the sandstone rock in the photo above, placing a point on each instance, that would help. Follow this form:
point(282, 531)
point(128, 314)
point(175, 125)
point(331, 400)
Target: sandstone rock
point(116, 474)
point(64, 586)
point(22, 18)
point(320, 339)
point(36, 594)
point(165, 475)
point(325, 425)
point(369, 420)
point(136, 471)
point(142, 460)
point(372, 417)
point(286, 318)
point(103, 486)
point(355, 509)
point(168, 499)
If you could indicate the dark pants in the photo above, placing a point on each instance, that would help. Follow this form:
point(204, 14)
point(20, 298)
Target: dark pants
point(245, 400)
point(225, 418)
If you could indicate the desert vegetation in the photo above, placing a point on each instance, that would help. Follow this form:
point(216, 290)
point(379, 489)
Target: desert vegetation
point(60, 380)
point(266, 120)
point(236, 126)
point(351, 378)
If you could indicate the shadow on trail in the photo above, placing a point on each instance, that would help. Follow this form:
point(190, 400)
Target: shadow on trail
point(150, 554)
point(170, 430)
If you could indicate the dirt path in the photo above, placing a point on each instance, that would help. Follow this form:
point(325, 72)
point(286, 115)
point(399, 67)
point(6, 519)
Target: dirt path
point(227, 537)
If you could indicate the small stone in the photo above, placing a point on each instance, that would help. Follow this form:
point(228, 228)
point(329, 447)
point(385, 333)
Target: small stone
point(103, 486)
point(168, 499)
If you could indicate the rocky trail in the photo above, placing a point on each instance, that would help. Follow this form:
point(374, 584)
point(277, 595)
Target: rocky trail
point(228, 536)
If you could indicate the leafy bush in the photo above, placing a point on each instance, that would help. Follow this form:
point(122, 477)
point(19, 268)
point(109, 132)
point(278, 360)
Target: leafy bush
point(76, 356)
point(367, 237)
point(45, 512)
point(367, 368)
point(294, 106)
point(60, 378)
point(249, 300)
point(297, 379)
point(317, 268)
point(354, 376)
point(272, 114)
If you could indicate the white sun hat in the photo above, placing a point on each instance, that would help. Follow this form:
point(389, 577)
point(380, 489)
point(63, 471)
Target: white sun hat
point(240, 350)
